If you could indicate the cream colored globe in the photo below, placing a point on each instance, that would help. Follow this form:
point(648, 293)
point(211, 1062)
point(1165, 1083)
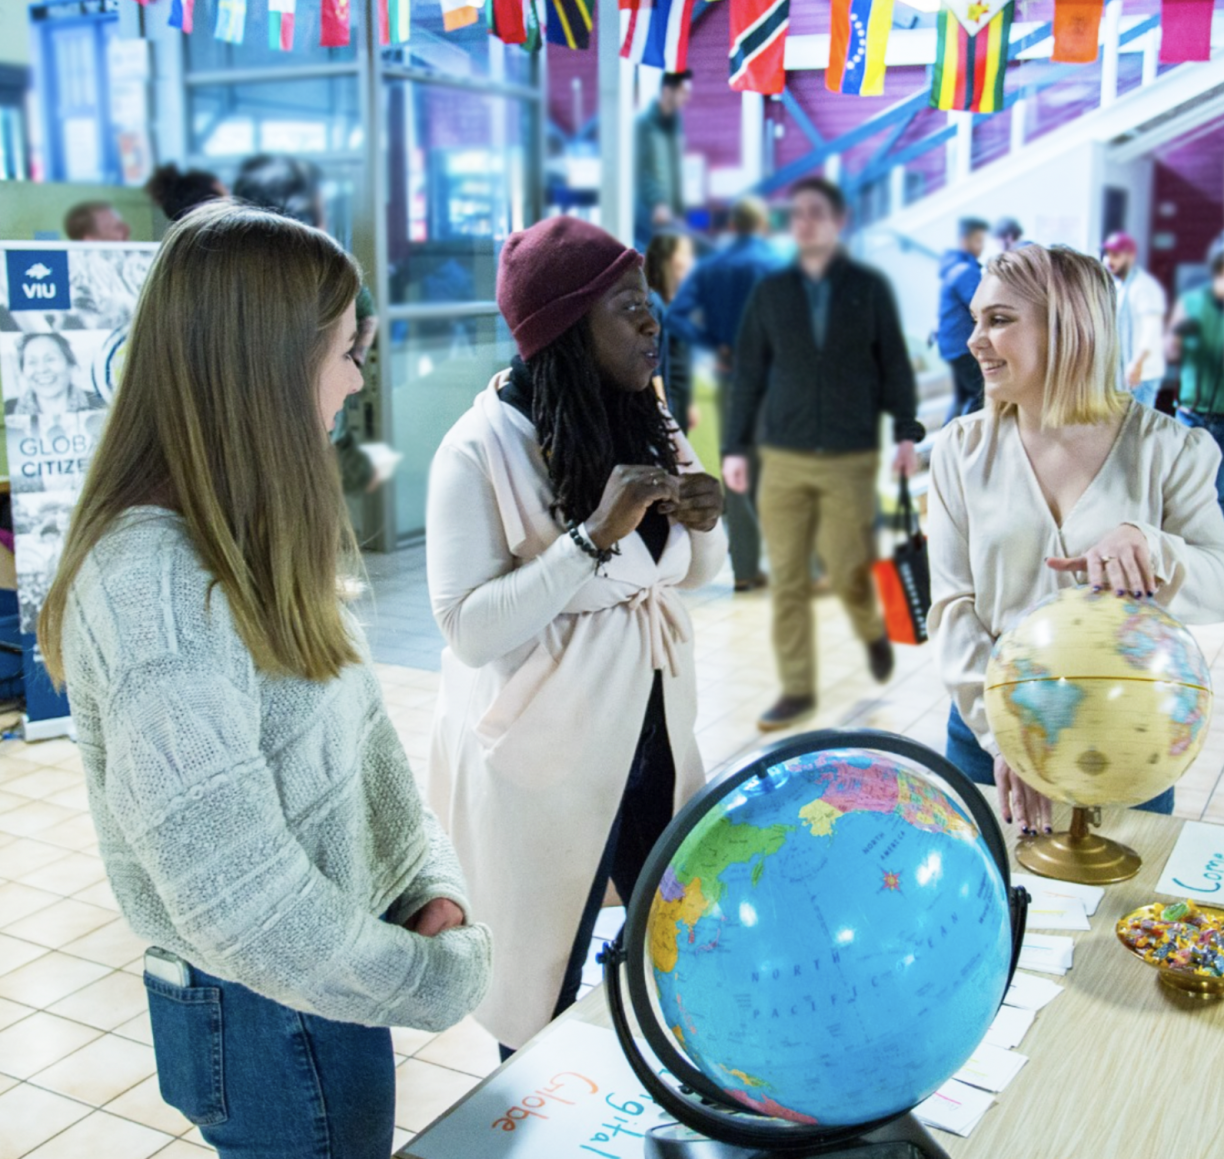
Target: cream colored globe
point(1098, 700)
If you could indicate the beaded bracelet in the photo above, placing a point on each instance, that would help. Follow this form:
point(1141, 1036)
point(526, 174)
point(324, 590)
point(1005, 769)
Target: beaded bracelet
point(601, 557)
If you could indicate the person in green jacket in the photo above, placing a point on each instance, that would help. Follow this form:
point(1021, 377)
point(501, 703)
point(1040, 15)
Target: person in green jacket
point(1196, 341)
point(659, 150)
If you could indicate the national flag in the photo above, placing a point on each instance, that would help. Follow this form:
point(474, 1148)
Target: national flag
point(569, 23)
point(458, 14)
point(231, 21)
point(969, 68)
point(656, 32)
point(634, 25)
point(758, 45)
point(535, 31)
point(974, 15)
point(394, 23)
point(1185, 31)
point(507, 20)
point(281, 15)
point(857, 44)
point(334, 22)
point(182, 15)
point(1077, 30)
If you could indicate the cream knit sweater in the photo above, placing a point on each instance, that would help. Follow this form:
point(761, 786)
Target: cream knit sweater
point(256, 826)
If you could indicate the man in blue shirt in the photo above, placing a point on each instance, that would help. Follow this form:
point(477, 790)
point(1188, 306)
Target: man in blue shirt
point(706, 312)
point(960, 271)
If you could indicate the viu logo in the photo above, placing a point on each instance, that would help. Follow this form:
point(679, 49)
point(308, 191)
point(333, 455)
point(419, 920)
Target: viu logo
point(38, 280)
point(41, 288)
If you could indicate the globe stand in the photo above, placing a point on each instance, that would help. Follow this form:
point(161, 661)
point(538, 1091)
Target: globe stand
point(904, 1138)
point(1079, 854)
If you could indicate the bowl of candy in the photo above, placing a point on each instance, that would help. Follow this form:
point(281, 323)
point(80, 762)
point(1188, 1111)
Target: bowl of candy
point(1184, 941)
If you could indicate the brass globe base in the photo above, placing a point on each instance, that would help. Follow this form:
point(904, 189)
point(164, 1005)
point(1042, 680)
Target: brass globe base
point(1078, 855)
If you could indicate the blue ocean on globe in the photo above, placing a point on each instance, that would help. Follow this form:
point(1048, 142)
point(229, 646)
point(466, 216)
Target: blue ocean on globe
point(831, 941)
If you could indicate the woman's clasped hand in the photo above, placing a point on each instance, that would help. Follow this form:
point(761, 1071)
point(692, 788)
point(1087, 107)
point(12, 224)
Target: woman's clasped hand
point(695, 501)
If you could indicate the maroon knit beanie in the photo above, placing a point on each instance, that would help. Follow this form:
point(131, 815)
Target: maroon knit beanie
point(552, 274)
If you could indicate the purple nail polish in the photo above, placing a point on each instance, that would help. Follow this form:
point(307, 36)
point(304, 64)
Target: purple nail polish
point(1048, 829)
point(1121, 592)
point(1096, 587)
point(1151, 595)
point(1138, 595)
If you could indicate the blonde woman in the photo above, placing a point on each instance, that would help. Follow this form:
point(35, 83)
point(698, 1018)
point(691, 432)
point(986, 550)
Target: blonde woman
point(255, 810)
point(1060, 478)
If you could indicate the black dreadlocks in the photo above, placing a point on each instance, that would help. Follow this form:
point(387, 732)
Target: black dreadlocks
point(587, 428)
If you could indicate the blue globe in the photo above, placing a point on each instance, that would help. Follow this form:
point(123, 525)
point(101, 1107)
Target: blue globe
point(831, 939)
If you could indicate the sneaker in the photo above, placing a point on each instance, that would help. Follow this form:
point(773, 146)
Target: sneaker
point(880, 658)
point(787, 711)
point(760, 580)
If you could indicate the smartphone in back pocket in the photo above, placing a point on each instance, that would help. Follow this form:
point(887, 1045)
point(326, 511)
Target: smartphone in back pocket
point(166, 967)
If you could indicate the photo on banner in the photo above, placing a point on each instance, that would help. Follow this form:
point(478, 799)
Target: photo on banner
point(65, 309)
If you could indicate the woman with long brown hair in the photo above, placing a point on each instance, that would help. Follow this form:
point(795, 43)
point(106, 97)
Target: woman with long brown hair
point(255, 809)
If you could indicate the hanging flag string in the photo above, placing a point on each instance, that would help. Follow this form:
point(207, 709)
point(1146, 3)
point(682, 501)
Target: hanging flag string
point(334, 30)
point(231, 21)
point(281, 14)
point(970, 67)
point(858, 44)
point(1077, 30)
point(182, 15)
point(758, 45)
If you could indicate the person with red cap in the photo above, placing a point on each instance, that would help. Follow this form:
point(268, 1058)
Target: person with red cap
point(565, 510)
point(1142, 305)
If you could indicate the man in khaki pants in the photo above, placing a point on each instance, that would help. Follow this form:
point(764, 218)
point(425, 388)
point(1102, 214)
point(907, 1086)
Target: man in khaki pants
point(819, 355)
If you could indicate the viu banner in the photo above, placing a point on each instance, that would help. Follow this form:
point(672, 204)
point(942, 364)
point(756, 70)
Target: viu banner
point(65, 308)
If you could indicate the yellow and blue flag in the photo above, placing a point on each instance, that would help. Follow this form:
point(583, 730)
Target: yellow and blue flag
point(858, 42)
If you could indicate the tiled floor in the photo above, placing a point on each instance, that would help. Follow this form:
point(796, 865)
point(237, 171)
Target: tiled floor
point(76, 1063)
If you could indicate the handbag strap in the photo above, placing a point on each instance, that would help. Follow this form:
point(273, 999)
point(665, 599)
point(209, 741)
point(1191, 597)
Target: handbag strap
point(905, 521)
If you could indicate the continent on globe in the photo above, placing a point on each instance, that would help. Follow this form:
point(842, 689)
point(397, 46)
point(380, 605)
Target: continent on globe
point(669, 915)
point(1046, 707)
point(819, 816)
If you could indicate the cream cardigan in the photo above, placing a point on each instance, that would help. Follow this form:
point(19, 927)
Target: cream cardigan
point(990, 531)
point(544, 689)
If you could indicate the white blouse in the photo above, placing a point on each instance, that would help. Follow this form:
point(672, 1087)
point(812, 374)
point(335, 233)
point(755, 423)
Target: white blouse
point(991, 530)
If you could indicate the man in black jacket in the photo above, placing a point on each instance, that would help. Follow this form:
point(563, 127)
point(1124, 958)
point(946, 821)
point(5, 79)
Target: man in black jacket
point(819, 355)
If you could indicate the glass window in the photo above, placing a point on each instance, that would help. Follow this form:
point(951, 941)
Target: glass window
point(457, 188)
point(438, 366)
point(468, 52)
point(303, 117)
point(206, 54)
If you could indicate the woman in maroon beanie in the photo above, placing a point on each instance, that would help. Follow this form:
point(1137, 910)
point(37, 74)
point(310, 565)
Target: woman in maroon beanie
point(565, 509)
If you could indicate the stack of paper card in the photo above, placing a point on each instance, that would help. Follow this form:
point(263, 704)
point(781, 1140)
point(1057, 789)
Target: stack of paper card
point(1030, 993)
point(1049, 953)
point(1009, 1027)
point(991, 1067)
point(955, 1107)
point(1050, 898)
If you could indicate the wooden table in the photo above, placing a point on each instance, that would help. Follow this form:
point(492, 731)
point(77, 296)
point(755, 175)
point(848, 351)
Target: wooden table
point(1120, 1066)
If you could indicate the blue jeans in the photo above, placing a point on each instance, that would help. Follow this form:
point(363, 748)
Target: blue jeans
point(263, 1081)
point(1214, 425)
point(977, 764)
